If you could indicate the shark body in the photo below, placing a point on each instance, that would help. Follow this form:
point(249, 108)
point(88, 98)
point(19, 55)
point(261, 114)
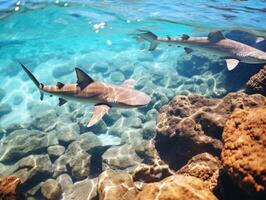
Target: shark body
point(232, 51)
point(102, 95)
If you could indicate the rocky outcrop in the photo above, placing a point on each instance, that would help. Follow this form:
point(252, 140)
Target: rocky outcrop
point(51, 189)
point(76, 160)
point(113, 186)
point(176, 187)
point(257, 83)
point(243, 155)
point(9, 188)
point(152, 173)
point(193, 124)
point(121, 158)
point(205, 167)
point(21, 143)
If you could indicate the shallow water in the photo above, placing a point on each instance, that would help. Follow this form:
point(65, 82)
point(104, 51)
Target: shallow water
point(53, 37)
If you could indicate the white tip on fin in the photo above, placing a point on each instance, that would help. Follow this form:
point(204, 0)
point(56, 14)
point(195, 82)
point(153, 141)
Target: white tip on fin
point(231, 63)
point(99, 112)
point(259, 39)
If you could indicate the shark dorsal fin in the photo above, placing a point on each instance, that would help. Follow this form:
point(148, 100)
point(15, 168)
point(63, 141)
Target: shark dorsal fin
point(184, 37)
point(215, 36)
point(83, 78)
point(60, 85)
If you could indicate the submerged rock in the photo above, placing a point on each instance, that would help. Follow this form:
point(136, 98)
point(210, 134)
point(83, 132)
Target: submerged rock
point(113, 186)
point(4, 109)
point(9, 188)
point(244, 151)
point(193, 124)
point(2, 93)
point(21, 143)
point(176, 187)
point(51, 189)
point(121, 158)
point(257, 83)
point(55, 151)
point(205, 167)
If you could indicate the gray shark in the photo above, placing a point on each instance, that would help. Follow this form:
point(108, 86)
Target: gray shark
point(232, 51)
point(86, 90)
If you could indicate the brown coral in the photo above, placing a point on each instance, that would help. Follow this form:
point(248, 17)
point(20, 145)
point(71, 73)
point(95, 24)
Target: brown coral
point(8, 187)
point(244, 152)
point(257, 83)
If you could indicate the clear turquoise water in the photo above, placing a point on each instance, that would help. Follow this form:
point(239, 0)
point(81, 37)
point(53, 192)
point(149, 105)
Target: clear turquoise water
point(52, 38)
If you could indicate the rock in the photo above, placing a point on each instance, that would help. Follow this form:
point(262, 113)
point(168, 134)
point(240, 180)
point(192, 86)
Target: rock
point(193, 124)
point(132, 137)
point(4, 109)
point(205, 167)
point(76, 158)
point(82, 190)
point(17, 100)
point(117, 77)
point(44, 121)
point(21, 143)
point(67, 133)
point(149, 129)
point(113, 186)
point(152, 114)
point(176, 187)
point(66, 183)
point(51, 189)
point(2, 93)
point(152, 173)
point(55, 151)
point(9, 186)
point(257, 83)
point(32, 170)
point(121, 158)
point(244, 151)
point(62, 71)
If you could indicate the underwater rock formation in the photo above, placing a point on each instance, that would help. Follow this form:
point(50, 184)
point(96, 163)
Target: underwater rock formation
point(243, 155)
point(21, 143)
point(9, 188)
point(113, 185)
point(193, 124)
point(257, 83)
point(4, 109)
point(205, 167)
point(176, 187)
point(121, 158)
point(51, 189)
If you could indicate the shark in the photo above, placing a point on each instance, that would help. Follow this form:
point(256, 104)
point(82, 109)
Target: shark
point(215, 43)
point(103, 95)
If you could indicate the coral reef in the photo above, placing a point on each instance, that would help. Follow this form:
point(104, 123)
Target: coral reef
point(257, 83)
point(190, 125)
point(9, 188)
point(176, 187)
point(243, 155)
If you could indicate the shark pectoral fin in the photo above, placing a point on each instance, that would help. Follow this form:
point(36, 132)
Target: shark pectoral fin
point(231, 63)
point(128, 83)
point(83, 79)
point(99, 112)
point(188, 50)
point(153, 45)
point(61, 101)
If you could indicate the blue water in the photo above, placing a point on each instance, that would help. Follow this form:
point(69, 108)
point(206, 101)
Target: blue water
point(53, 37)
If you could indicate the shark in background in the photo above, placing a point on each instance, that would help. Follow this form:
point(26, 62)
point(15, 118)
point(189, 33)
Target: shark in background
point(104, 96)
point(232, 51)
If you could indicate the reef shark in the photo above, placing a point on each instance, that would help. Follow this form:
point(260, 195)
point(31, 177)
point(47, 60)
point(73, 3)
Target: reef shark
point(86, 90)
point(232, 51)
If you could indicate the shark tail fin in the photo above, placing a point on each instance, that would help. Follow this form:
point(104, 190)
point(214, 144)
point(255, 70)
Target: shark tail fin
point(34, 80)
point(148, 36)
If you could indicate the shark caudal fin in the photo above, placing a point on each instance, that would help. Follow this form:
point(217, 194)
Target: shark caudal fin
point(148, 36)
point(34, 80)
